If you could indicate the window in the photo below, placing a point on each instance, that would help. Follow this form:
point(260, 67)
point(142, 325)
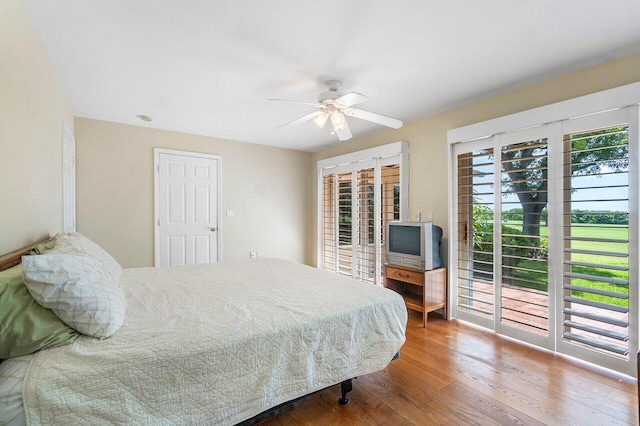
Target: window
point(360, 193)
point(547, 231)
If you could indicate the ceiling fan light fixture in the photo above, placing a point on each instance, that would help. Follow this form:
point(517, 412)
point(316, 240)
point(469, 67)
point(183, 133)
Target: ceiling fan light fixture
point(337, 120)
point(321, 119)
point(335, 106)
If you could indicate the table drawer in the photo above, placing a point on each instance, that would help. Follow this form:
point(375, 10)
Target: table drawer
point(405, 275)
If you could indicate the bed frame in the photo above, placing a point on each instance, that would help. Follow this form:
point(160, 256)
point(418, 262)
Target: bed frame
point(345, 387)
point(14, 258)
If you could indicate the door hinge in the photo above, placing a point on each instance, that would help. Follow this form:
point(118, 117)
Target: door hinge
point(158, 222)
point(158, 168)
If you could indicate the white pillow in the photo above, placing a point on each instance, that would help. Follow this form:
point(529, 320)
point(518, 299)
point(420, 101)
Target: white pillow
point(77, 244)
point(79, 289)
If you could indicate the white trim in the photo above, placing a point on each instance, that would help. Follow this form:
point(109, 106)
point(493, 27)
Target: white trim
point(404, 183)
point(589, 104)
point(319, 217)
point(156, 199)
point(634, 237)
point(67, 132)
point(555, 227)
point(452, 184)
point(158, 151)
point(355, 222)
point(497, 142)
point(381, 151)
point(377, 223)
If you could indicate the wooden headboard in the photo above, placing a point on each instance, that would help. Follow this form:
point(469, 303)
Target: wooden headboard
point(12, 259)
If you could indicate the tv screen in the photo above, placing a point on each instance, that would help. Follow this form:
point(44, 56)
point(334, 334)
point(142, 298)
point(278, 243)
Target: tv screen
point(404, 239)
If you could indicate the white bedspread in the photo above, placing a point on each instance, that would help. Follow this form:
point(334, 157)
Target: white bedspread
point(217, 344)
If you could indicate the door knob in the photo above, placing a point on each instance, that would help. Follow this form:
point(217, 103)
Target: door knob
point(214, 229)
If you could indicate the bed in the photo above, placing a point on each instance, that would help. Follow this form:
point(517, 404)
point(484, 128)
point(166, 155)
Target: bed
point(210, 344)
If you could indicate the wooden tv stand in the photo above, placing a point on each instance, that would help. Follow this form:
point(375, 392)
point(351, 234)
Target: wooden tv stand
point(422, 291)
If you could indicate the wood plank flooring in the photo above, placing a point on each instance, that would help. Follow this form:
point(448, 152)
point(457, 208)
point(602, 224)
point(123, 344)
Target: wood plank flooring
point(453, 374)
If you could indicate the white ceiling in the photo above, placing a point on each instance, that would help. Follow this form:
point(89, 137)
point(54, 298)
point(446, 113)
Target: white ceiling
point(208, 67)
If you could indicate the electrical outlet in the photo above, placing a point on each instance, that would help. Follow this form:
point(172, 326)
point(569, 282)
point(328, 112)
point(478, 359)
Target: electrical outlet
point(253, 254)
point(429, 216)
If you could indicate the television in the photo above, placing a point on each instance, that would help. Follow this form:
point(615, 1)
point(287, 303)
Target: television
point(414, 245)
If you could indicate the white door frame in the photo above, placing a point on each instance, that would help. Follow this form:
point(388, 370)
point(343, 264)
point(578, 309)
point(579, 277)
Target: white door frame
point(67, 135)
point(156, 197)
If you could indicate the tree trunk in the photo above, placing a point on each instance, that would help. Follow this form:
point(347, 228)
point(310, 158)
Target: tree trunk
point(531, 220)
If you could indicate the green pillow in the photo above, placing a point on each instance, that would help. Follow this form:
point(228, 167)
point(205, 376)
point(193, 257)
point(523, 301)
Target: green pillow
point(43, 247)
point(25, 326)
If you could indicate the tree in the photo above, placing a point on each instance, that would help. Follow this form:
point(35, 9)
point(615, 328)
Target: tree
point(526, 168)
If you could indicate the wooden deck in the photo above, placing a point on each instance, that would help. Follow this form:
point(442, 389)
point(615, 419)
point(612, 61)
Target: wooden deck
point(453, 374)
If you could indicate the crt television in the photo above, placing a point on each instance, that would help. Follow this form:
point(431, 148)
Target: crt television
point(414, 245)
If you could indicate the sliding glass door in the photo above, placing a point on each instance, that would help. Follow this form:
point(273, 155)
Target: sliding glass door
point(547, 236)
point(524, 204)
point(502, 246)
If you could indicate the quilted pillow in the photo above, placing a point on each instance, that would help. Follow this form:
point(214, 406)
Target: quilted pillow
point(79, 289)
point(77, 244)
point(25, 326)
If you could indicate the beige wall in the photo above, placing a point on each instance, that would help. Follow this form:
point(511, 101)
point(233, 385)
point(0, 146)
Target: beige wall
point(268, 188)
point(271, 190)
point(32, 108)
point(428, 137)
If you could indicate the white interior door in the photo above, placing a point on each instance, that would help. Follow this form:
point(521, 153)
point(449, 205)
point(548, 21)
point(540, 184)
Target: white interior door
point(186, 208)
point(68, 180)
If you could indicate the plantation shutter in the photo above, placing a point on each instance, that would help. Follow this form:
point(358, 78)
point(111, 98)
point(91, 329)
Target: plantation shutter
point(559, 238)
point(595, 275)
point(475, 217)
point(365, 248)
point(389, 203)
point(345, 220)
point(330, 223)
point(356, 200)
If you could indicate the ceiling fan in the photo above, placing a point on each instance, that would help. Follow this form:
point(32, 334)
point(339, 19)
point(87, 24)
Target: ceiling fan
point(334, 106)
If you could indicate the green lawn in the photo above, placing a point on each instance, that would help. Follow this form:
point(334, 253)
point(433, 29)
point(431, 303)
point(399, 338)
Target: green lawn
point(596, 231)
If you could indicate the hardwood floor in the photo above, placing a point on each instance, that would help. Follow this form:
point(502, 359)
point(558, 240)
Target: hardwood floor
point(453, 374)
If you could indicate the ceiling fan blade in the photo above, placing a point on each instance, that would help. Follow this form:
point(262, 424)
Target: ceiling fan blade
point(344, 133)
point(372, 116)
point(315, 104)
point(350, 99)
point(302, 119)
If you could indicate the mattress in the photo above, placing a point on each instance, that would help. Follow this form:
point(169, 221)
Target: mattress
point(217, 344)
